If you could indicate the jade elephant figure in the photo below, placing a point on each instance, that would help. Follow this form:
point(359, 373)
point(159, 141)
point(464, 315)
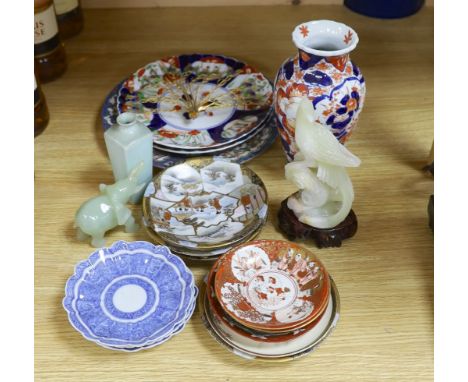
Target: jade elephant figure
point(98, 215)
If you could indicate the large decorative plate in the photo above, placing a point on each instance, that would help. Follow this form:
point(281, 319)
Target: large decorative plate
point(241, 153)
point(272, 285)
point(276, 351)
point(205, 204)
point(195, 101)
point(213, 151)
point(129, 295)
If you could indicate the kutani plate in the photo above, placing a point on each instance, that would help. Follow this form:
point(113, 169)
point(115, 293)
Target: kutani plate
point(129, 295)
point(219, 315)
point(205, 204)
point(277, 351)
point(272, 285)
point(244, 152)
point(196, 101)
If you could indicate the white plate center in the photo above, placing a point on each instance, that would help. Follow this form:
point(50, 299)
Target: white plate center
point(272, 290)
point(129, 298)
point(172, 111)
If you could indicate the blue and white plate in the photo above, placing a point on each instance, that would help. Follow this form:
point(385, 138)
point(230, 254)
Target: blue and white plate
point(129, 295)
point(160, 341)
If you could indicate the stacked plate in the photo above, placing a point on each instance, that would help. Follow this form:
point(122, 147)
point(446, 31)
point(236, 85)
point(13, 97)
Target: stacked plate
point(204, 207)
point(270, 300)
point(198, 104)
point(130, 296)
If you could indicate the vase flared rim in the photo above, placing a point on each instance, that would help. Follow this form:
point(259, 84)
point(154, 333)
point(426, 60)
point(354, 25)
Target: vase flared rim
point(325, 38)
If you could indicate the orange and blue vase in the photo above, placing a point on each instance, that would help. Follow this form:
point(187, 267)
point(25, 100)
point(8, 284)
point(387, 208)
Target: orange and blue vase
point(323, 72)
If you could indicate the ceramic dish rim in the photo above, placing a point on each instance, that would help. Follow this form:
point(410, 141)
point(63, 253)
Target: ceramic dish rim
point(219, 149)
point(69, 306)
point(335, 316)
point(267, 143)
point(146, 200)
point(153, 236)
point(208, 288)
point(119, 89)
point(286, 326)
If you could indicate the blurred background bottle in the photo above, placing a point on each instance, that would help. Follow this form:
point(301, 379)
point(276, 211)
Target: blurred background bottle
point(41, 112)
point(50, 61)
point(69, 17)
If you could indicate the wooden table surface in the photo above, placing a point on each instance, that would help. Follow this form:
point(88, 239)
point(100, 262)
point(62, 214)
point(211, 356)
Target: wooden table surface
point(384, 274)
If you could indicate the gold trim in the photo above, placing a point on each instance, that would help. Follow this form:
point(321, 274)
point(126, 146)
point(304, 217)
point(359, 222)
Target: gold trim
point(202, 161)
point(226, 342)
point(176, 250)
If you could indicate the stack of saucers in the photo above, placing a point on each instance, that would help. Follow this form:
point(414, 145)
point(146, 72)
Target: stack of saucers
point(204, 207)
point(270, 300)
point(198, 104)
point(130, 296)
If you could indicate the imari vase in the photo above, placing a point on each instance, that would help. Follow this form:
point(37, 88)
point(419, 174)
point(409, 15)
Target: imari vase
point(323, 72)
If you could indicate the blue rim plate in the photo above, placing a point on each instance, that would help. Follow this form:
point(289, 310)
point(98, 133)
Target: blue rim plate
point(241, 153)
point(195, 101)
point(225, 147)
point(129, 294)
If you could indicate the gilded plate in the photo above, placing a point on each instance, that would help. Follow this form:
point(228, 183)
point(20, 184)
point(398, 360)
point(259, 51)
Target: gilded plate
point(251, 334)
point(200, 255)
point(205, 204)
point(272, 285)
point(197, 101)
point(257, 350)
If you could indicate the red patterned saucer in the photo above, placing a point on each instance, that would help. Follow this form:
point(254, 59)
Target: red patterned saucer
point(272, 285)
point(217, 311)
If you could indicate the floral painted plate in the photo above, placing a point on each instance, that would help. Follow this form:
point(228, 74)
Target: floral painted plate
point(129, 295)
point(219, 314)
point(272, 285)
point(218, 149)
point(205, 204)
point(195, 101)
point(244, 152)
point(275, 351)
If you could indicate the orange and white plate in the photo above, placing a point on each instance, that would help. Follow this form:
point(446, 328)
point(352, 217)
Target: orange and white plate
point(272, 285)
point(288, 350)
point(225, 320)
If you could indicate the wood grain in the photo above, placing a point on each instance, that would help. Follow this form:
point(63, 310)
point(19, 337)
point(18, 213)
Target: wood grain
point(384, 274)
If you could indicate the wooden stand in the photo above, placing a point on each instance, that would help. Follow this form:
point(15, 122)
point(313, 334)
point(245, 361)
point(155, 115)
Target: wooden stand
point(328, 237)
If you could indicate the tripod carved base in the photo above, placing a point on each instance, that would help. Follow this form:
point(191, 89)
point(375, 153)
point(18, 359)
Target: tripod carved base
point(324, 237)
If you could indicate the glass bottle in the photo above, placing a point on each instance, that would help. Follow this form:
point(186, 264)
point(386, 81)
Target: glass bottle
point(41, 112)
point(69, 17)
point(50, 60)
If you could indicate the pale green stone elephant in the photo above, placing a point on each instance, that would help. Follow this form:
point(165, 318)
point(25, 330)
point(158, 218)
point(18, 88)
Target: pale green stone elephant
point(98, 215)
